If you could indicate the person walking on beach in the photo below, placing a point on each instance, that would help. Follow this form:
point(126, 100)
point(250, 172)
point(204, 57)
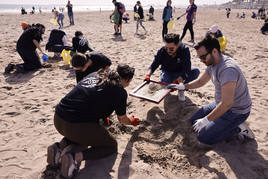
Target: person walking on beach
point(226, 116)
point(118, 13)
point(85, 64)
point(26, 47)
point(59, 16)
point(140, 17)
point(166, 16)
point(80, 43)
point(70, 12)
point(175, 61)
point(228, 11)
point(78, 115)
point(191, 19)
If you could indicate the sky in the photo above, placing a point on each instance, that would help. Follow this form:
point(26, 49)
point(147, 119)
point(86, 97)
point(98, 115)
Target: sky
point(107, 2)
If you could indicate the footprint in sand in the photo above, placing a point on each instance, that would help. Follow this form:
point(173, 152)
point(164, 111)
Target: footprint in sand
point(12, 114)
point(7, 87)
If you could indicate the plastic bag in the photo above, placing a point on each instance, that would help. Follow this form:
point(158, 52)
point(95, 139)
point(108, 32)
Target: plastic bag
point(66, 56)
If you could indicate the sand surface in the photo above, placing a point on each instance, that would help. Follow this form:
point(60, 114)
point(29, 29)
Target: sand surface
point(163, 145)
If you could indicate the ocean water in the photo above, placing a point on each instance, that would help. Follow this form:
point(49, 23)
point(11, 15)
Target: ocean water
point(15, 8)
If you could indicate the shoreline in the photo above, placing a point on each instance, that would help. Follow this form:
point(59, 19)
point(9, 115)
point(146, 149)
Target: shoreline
point(163, 145)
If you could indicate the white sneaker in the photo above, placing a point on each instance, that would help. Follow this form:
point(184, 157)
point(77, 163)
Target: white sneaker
point(245, 131)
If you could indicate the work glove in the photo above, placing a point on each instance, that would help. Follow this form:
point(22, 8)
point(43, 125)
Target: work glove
point(200, 124)
point(147, 78)
point(134, 121)
point(176, 86)
point(106, 122)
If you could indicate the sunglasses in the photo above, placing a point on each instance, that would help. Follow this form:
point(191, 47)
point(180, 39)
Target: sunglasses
point(171, 49)
point(203, 57)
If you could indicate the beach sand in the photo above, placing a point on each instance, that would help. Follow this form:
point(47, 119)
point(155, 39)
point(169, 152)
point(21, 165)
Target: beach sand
point(163, 145)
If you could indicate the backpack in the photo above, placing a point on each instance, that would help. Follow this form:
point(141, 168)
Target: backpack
point(122, 8)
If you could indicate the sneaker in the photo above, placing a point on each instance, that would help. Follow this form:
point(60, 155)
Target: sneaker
point(115, 34)
point(9, 68)
point(119, 34)
point(69, 167)
point(245, 131)
point(19, 68)
point(53, 154)
point(191, 41)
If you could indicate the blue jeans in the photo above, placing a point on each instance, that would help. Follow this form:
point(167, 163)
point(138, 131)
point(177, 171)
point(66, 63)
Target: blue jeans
point(60, 20)
point(169, 77)
point(71, 17)
point(221, 128)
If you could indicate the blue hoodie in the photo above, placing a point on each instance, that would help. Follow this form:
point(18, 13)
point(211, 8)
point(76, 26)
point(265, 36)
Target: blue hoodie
point(167, 13)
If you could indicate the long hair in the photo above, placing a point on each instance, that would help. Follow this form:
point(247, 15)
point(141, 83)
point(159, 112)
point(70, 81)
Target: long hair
point(168, 2)
point(112, 78)
point(108, 78)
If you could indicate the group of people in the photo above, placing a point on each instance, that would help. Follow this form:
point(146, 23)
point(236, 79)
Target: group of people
point(190, 17)
point(116, 18)
point(30, 40)
point(100, 91)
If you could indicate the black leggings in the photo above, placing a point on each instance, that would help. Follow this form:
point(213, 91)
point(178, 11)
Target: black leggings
point(188, 25)
point(101, 143)
point(165, 29)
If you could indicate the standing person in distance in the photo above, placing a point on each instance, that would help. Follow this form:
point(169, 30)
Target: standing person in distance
point(166, 16)
point(140, 18)
point(70, 12)
point(191, 19)
point(118, 11)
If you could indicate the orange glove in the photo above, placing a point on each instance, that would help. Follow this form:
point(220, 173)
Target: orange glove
point(134, 121)
point(175, 82)
point(147, 78)
point(108, 121)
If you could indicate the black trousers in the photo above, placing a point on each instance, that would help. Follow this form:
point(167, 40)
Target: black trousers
point(30, 58)
point(101, 143)
point(165, 29)
point(188, 25)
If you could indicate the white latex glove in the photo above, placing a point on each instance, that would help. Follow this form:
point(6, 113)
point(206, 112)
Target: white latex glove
point(200, 123)
point(176, 86)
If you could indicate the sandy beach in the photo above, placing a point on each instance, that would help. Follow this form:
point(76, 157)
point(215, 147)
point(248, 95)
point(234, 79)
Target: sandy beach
point(163, 145)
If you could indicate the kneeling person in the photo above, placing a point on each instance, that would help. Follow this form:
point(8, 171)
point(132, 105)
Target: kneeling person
point(175, 62)
point(224, 117)
point(86, 64)
point(78, 113)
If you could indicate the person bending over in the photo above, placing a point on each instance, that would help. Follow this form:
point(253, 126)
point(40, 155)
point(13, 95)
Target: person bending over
point(86, 64)
point(175, 61)
point(80, 43)
point(26, 47)
point(78, 114)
